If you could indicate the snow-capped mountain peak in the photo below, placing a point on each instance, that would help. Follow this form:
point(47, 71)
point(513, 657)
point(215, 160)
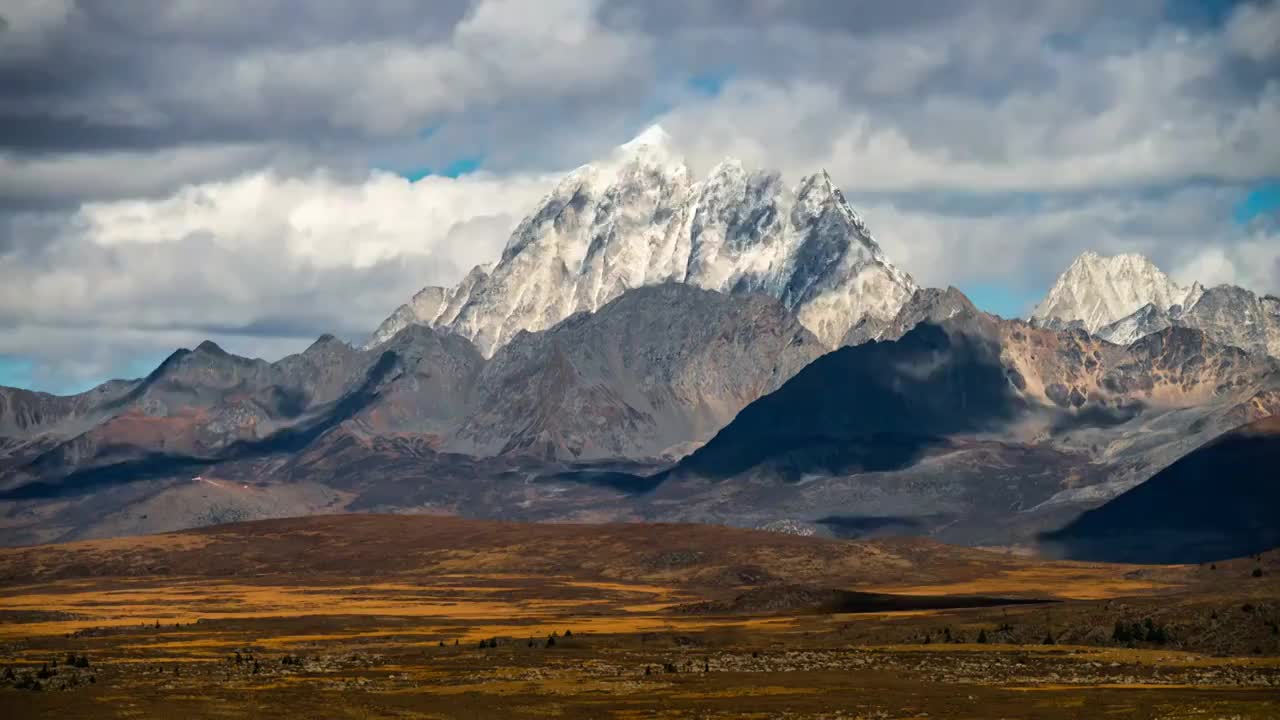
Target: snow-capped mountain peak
point(637, 218)
point(652, 137)
point(1099, 290)
point(1125, 297)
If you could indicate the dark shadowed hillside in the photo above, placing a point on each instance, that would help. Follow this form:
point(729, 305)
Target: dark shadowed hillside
point(871, 407)
point(1220, 501)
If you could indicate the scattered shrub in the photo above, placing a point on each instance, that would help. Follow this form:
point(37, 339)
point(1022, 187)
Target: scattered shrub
point(1145, 631)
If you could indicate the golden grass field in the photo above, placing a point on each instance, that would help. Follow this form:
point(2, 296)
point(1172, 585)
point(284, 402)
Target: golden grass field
point(367, 616)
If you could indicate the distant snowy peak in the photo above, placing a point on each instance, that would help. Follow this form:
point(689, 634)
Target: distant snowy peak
point(1098, 291)
point(1123, 298)
point(637, 218)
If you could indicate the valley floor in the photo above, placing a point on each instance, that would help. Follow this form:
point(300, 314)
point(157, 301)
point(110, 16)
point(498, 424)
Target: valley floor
point(318, 619)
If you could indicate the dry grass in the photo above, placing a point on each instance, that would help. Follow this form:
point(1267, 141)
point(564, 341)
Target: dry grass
point(1067, 581)
point(377, 639)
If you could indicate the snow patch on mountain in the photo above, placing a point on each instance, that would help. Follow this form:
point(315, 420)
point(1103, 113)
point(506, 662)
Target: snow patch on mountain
point(1098, 291)
point(1144, 321)
point(1094, 293)
point(638, 218)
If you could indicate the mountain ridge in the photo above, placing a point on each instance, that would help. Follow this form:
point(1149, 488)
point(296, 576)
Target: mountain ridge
point(582, 422)
point(1125, 297)
point(637, 218)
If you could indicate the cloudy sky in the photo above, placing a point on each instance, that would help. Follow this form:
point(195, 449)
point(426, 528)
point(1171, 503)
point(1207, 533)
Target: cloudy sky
point(259, 172)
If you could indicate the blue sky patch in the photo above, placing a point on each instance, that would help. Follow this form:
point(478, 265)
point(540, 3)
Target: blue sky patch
point(1000, 299)
point(1263, 199)
point(15, 372)
point(710, 83)
point(462, 166)
point(1200, 13)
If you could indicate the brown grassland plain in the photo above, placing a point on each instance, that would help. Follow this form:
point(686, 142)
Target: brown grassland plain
point(429, 617)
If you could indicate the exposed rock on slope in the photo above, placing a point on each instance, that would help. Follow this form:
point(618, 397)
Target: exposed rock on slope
point(657, 368)
point(431, 306)
point(931, 305)
point(205, 404)
point(656, 371)
point(1234, 316)
point(1144, 321)
point(979, 431)
point(638, 219)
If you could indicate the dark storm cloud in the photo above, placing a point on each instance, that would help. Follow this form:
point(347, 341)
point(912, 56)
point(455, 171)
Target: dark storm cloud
point(142, 73)
point(120, 75)
point(856, 17)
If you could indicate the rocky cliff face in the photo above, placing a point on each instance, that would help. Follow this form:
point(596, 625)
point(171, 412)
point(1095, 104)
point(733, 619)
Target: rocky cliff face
point(638, 219)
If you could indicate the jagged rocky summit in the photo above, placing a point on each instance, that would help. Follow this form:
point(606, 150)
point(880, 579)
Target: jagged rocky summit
point(1098, 291)
point(1124, 298)
point(638, 218)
